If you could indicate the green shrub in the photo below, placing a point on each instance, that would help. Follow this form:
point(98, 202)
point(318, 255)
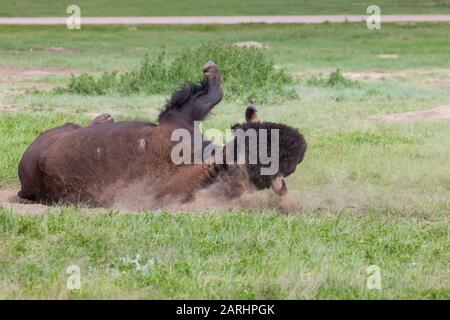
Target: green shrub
point(247, 74)
point(83, 84)
point(334, 80)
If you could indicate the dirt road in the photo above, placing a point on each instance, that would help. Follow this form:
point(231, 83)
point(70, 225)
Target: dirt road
point(220, 20)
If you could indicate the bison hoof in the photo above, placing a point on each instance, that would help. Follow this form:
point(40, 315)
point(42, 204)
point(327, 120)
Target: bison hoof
point(103, 118)
point(209, 68)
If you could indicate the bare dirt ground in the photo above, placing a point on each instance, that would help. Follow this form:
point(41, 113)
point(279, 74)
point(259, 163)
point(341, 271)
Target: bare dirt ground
point(250, 44)
point(333, 195)
point(24, 73)
point(435, 114)
point(286, 204)
point(223, 19)
point(369, 75)
point(54, 50)
point(9, 200)
point(425, 74)
point(436, 78)
point(388, 56)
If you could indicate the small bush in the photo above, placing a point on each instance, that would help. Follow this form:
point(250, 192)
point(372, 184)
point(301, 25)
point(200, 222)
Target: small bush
point(247, 74)
point(334, 80)
point(83, 84)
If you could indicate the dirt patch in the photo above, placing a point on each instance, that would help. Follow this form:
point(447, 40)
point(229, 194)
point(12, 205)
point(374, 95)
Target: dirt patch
point(57, 50)
point(22, 73)
point(439, 78)
point(368, 75)
point(132, 202)
point(250, 44)
point(10, 200)
point(387, 56)
point(9, 107)
point(362, 75)
point(139, 196)
point(435, 114)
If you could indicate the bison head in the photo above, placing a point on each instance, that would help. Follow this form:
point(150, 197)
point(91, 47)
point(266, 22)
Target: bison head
point(288, 153)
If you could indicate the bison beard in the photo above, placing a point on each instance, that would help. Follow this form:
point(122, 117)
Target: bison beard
point(110, 163)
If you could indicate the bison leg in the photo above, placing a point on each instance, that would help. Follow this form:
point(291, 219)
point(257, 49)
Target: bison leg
point(103, 118)
point(203, 103)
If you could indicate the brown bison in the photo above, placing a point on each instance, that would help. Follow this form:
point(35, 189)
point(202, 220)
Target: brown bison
point(93, 164)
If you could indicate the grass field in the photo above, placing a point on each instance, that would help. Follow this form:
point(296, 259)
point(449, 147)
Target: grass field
point(42, 8)
point(373, 192)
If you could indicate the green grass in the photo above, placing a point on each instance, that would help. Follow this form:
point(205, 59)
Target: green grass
point(218, 8)
point(373, 193)
point(249, 255)
point(351, 47)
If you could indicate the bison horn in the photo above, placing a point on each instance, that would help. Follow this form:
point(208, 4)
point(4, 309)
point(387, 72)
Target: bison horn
point(279, 185)
point(250, 114)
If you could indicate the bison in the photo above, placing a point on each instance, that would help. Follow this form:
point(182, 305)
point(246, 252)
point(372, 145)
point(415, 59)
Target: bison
point(95, 163)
